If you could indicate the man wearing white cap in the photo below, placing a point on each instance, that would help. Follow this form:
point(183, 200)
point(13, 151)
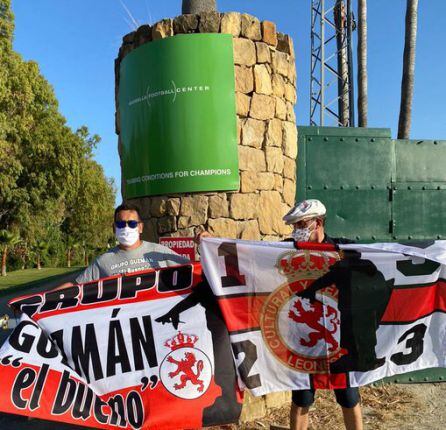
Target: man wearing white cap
point(308, 221)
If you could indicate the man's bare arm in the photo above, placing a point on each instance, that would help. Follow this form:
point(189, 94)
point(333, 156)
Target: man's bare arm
point(64, 285)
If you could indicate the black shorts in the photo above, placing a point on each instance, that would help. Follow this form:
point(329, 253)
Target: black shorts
point(346, 397)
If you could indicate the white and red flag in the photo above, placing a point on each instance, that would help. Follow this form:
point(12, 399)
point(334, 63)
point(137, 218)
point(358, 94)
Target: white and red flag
point(152, 350)
point(326, 317)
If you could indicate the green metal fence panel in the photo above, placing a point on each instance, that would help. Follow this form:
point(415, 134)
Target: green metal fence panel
point(420, 161)
point(375, 188)
point(362, 215)
point(350, 170)
point(365, 163)
point(434, 374)
point(419, 213)
point(315, 163)
point(419, 196)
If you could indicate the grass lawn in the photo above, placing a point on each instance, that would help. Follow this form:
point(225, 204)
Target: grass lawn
point(31, 277)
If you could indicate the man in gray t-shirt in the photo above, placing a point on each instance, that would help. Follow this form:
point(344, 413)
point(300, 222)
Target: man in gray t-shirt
point(132, 254)
point(147, 256)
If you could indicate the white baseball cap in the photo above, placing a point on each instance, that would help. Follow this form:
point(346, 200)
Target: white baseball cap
point(306, 209)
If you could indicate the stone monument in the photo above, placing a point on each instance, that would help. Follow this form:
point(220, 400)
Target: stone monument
point(265, 84)
point(265, 92)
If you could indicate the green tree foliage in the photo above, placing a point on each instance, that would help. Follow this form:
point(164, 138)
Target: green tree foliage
point(51, 189)
point(93, 202)
point(6, 25)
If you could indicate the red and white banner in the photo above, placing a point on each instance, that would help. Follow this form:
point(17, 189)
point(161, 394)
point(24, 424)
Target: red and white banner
point(317, 318)
point(151, 349)
point(138, 351)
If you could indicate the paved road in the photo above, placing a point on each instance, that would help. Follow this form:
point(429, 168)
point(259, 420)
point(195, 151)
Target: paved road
point(16, 422)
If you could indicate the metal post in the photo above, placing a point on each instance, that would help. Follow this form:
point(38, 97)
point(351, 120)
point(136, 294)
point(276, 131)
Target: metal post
point(312, 90)
point(330, 100)
point(322, 63)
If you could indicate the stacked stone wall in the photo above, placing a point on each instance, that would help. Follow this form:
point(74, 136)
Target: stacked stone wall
point(265, 85)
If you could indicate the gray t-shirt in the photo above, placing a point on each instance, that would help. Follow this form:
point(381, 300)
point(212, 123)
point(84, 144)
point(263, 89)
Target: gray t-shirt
point(147, 256)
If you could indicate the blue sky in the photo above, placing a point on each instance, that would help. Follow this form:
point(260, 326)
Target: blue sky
point(76, 42)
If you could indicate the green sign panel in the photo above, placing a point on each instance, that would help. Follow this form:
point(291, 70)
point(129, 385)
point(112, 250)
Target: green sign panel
point(178, 118)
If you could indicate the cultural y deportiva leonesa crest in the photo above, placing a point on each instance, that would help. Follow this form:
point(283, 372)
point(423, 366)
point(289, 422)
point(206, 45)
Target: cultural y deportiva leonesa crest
point(303, 333)
point(186, 371)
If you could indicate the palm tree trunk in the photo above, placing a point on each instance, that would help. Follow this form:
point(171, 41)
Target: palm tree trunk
point(24, 255)
point(4, 255)
point(362, 63)
point(69, 257)
point(407, 82)
point(39, 266)
point(198, 6)
point(340, 20)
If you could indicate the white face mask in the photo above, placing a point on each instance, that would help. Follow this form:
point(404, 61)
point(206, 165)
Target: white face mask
point(127, 236)
point(302, 234)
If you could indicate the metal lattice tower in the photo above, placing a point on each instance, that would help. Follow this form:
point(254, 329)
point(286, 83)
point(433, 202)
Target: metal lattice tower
point(331, 84)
